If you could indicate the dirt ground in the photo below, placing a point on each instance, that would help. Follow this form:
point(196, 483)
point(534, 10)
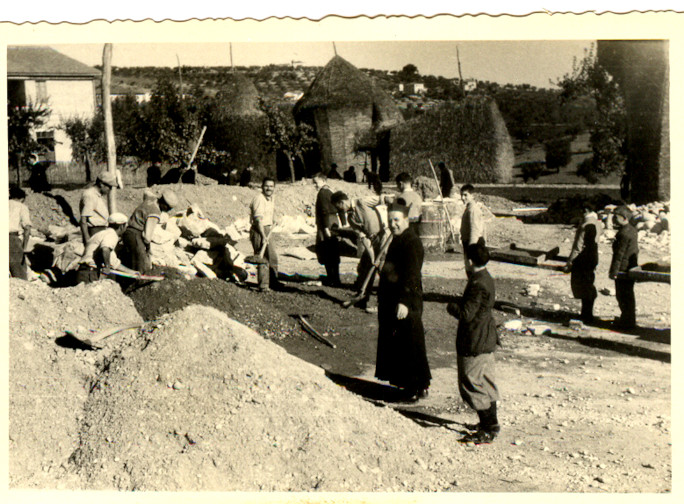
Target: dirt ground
point(196, 401)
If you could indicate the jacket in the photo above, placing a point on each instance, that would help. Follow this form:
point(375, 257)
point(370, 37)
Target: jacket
point(625, 250)
point(476, 332)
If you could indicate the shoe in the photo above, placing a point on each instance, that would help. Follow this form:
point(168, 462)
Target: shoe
point(371, 309)
point(479, 437)
point(414, 397)
point(622, 325)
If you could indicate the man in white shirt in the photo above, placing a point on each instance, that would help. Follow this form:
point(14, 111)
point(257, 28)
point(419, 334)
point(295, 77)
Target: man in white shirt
point(19, 232)
point(261, 211)
point(99, 255)
point(93, 205)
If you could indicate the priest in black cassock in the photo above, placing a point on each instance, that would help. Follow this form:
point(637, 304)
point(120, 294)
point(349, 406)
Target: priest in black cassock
point(401, 357)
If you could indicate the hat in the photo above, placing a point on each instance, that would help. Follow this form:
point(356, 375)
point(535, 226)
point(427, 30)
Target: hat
point(623, 211)
point(117, 218)
point(107, 178)
point(169, 197)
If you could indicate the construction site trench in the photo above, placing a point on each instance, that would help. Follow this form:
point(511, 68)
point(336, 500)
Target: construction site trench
point(221, 389)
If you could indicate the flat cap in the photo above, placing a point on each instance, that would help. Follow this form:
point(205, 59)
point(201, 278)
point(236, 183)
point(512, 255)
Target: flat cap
point(107, 178)
point(623, 211)
point(118, 218)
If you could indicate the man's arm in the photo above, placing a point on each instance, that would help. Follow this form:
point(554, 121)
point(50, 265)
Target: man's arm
point(473, 298)
point(622, 244)
point(150, 226)
point(84, 229)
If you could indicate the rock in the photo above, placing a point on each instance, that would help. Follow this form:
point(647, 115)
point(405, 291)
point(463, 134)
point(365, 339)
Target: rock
point(513, 325)
point(630, 390)
point(539, 329)
point(608, 291)
point(533, 290)
point(510, 309)
point(177, 385)
point(575, 324)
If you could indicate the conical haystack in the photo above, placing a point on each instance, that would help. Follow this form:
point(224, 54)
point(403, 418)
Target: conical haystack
point(470, 137)
point(344, 105)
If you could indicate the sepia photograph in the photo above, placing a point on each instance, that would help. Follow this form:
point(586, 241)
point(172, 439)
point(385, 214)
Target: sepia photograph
point(392, 255)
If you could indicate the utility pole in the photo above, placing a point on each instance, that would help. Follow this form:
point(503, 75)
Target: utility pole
point(334, 48)
point(109, 124)
point(232, 68)
point(460, 75)
point(180, 76)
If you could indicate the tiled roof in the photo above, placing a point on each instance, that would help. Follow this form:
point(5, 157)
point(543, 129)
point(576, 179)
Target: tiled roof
point(40, 61)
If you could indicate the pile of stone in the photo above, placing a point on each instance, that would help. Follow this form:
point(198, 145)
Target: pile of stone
point(651, 220)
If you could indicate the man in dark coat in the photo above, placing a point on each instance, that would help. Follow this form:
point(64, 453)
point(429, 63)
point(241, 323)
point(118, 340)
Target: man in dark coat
point(327, 249)
point(582, 262)
point(476, 340)
point(401, 356)
point(625, 257)
point(446, 180)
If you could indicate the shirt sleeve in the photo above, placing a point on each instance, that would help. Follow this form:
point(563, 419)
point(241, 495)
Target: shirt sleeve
point(87, 205)
point(258, 208)
point(24, 217)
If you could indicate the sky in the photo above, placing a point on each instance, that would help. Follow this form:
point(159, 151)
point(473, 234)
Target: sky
point(515, 62)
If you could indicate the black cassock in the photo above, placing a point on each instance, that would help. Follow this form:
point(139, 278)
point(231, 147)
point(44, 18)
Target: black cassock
point(401, 357)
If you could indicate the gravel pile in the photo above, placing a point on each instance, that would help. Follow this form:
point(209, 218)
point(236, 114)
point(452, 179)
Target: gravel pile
point(49, 382)
point(210, 405)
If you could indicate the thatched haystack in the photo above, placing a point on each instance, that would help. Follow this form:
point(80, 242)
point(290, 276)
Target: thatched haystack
point(351, 116)
point(239, 96)
point(470, 137)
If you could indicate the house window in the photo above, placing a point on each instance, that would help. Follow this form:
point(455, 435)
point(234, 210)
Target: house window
point(41, 91)
point(47, 140)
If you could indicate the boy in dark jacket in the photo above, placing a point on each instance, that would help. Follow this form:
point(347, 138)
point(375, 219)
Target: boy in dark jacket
point(625, 257)
point(476, 340)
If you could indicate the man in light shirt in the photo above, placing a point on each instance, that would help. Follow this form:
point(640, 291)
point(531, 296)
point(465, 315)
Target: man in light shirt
point(261, 211)
point(19, 232)
point(472, 224)
point(93, 205)
point(98, 255)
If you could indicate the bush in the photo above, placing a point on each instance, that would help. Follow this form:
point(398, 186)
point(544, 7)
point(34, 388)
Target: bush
point(470, 137)
point(558, 153)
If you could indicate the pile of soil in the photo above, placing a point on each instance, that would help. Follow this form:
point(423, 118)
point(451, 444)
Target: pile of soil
point(239, 413)
point(49, 382)
point(222, 204)
point(249, 307)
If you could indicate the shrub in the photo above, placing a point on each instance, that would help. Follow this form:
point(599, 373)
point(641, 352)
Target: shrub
point(558, 153)
point(470, 137)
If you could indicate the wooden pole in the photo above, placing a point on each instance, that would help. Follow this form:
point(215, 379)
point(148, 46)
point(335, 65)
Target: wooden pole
point(197, 146)
point(232, 68)
point(334, 48)
point(180, 77)
point(109, 124)
point(460, 75)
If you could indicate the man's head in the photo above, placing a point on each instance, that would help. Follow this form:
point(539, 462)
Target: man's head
point(397, 217)
point(320, 179)
point(622, 215)
point(341, 201)
point(17, 193)
point(467, 193)
point(105, 181)
point(268, 187)
point(478, 254)
point(404, 181)
point(441, 165)
point(117, 221)
point(167, 200)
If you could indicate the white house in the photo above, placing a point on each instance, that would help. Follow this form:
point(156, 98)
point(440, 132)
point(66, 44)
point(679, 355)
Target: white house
point(42, 76)
point(412, 88)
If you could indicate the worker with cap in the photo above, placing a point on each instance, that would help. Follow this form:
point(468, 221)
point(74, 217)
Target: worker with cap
point(99, 256)
point(136, 239)
point(93, 205)
point(625, 257)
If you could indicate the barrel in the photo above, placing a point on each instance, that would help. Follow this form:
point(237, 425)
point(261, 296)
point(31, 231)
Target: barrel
point(433, 229)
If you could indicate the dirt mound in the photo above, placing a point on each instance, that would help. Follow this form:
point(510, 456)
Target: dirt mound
point(222, 204)
point(254, 309)
point(210, 405)
point(49, 382)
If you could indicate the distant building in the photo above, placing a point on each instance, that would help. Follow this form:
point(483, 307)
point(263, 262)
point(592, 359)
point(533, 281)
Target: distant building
point(412, 88)
point(469, 85)
point(40, 75)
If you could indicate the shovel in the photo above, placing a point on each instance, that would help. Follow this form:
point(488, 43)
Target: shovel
point(94, 339)
point(376, 265)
